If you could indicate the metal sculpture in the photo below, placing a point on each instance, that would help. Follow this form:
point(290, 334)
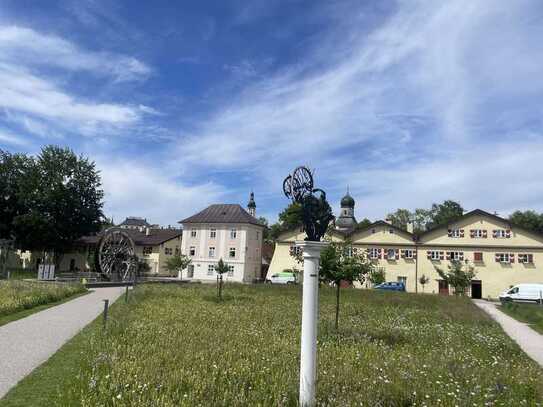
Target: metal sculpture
point(316, 212)
point(116, 256)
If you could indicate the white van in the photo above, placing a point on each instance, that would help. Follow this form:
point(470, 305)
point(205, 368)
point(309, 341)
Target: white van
point(282, 278)
point(523, 292)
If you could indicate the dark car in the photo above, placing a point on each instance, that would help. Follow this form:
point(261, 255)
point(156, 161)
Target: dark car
point(391, 286)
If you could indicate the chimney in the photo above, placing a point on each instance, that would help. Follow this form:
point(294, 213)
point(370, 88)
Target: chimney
point(410, 227)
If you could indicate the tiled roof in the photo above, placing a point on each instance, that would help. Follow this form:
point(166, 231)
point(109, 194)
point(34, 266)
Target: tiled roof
point(222, 213)
point(155, 237)
point(134, 221)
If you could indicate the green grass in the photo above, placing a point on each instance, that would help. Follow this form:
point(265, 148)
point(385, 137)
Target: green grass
point(20, 274)
point(17, 296)
point(179, 346)
point(26, 312)
point(531, 314)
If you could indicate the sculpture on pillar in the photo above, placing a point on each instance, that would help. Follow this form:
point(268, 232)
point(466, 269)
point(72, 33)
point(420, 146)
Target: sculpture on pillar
point(316, 212)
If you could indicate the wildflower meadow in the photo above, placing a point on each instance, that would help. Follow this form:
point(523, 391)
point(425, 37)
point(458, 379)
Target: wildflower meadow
point(180, 346)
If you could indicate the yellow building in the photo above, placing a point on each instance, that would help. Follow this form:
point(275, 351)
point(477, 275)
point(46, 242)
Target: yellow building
point(501, 253)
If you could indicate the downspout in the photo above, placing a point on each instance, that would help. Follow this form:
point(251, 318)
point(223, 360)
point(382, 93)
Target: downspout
point(416, 265)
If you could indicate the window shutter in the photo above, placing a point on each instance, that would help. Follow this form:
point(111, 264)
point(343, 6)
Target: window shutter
point(397, 254)
point(379, 252)
point(414, 254)
point(461, 256)
point(494, 233)
point(485, 234)
point(449, 233)
point(449, 255)
point(461, 232)
point(385, 254)
point(429, 255)
point(472, 233)
point(511, 258)
point(497, 257)
point(402, 253)
point(530, 258)
point(508, 233)
point(441, 256)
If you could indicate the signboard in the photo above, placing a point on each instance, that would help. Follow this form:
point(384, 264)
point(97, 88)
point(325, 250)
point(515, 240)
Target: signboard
point(46, 272)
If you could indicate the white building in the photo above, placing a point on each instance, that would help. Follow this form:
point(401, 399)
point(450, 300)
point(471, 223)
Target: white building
point(224, 231)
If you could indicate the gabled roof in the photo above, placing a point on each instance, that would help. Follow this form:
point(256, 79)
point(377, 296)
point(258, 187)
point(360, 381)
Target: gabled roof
point(134, 221)
point(154, 238)
point(385, 224)
point(222, 213)
point(480, 212)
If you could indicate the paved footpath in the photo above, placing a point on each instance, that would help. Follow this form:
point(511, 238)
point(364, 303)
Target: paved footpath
point(529, 340)
point(27, 343)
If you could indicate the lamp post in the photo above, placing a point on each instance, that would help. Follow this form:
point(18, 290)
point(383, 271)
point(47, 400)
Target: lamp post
point(316, 216)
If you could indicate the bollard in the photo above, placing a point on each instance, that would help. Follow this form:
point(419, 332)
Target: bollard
point(126, 295)
point(106, 306)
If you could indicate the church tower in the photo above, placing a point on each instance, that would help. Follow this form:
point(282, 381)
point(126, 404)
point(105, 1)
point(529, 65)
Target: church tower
point(346, 221)
point(251, 206)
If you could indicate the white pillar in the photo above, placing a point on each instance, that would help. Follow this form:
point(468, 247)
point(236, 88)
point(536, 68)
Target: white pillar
point(310, 314)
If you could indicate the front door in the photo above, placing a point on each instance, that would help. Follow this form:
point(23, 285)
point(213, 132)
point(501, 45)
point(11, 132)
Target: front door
point(476, 289)
point(443, 287)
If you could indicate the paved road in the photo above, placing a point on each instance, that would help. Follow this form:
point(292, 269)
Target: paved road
point(529, 340)
point(27, 343)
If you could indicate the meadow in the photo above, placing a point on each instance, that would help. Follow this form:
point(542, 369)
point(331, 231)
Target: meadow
point(179, 346)
point(531, 314)
point(17, 295)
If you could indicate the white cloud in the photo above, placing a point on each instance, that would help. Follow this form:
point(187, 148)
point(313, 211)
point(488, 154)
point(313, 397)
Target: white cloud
point(23, 45)
point(9, 139)
point(136, 189)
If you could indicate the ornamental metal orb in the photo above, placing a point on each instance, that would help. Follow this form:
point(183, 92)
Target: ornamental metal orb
point(116, 256)
point(299, 184)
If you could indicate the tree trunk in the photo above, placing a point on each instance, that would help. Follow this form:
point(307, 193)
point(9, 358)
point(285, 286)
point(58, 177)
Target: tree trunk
point(220, 288)
point(338, 286)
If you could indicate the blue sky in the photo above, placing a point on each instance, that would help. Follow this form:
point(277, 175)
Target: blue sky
point(183, 104)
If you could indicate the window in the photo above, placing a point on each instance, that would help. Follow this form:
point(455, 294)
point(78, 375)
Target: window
point(257, 235)
point(526, 258)
point(478, 234)
point(211, 251)
point(192, 251)
point(375, 253)
point(213, 233)
point(458, 256)
point(391, 254)
point(168, 251)
point(408, 254)
point(402, 279)
point(505, 258)
point(478, 257)
point(147, 250)
point(391, 231)
point(177, 251)
point(210, 269)
point(230, 271)
point(501, 233)
point(193, 233)
point(233, 233)
point(456, 233)
point(294, 250)
point(435, 255)
point(232, 252)
point(190, 271)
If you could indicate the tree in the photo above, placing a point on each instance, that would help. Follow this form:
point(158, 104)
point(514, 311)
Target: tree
point(458, 275)
point(377, 275)
point(363, 224)
point(291, 217)
point(177, 263)
point(420, 218)
point(443, 213)
point(400, 218)
point(423, 280)
point(529, 220)
point(62, 202)
point(275, 231)
point(340, 262)
point(221, 268)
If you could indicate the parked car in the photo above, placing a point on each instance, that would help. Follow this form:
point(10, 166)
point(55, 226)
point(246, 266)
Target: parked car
point(282, 278)
point(523, 292)
point(391, 286)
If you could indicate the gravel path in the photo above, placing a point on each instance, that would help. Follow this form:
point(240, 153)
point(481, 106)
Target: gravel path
point(529, 340)
point(27, 343)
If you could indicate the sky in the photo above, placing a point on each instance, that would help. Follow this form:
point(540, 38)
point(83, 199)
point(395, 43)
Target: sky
point(188, 103)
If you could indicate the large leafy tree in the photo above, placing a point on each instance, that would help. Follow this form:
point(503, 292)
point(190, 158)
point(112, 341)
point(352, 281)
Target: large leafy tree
point(363, 224)
point(443, 213)
point(458, 275)
point(62, 199)
point(529, 220)
point(291, 216)
point(341, 262)
point(400, 218)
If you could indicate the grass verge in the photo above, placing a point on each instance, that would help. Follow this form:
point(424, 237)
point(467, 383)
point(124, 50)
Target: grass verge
point(179, 346)
point(5, 319)
point(531, 314)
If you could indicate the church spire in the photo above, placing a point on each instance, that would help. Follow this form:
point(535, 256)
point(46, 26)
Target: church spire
point(251, 206)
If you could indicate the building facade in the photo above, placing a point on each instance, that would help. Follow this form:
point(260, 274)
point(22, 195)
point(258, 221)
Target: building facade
point(227, 232)
point(501, 253)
